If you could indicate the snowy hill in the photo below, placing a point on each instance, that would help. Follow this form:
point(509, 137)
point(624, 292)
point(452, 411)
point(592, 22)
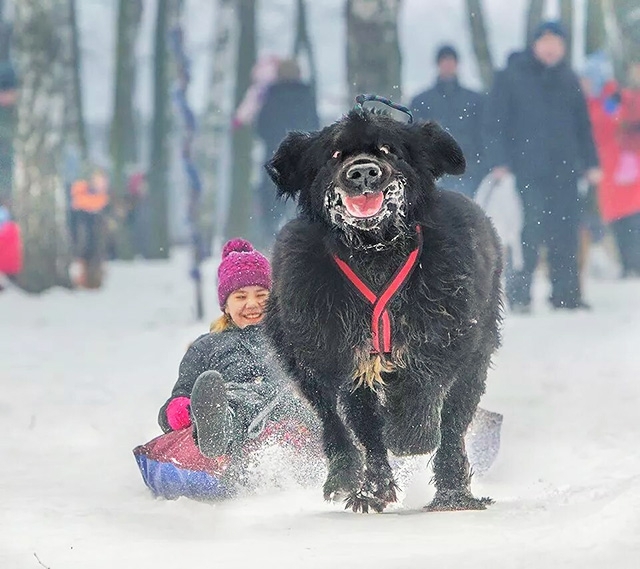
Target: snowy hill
point(84, 374)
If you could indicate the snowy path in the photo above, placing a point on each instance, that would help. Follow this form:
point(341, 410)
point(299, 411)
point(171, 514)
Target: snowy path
point(83, 375)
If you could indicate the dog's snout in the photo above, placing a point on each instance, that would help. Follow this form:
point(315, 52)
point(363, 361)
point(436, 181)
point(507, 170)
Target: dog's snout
point(364, 175)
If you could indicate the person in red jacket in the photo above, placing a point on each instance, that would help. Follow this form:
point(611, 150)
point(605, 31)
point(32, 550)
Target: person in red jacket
point(10, 244)
point(615, 114)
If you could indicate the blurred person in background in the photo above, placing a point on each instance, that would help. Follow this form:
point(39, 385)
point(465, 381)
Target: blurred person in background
point(289, 104)
point(8, 100)
point(620, 190)
point(537, 127)
point(459, 111)
point(10, 244)
point(89, 199)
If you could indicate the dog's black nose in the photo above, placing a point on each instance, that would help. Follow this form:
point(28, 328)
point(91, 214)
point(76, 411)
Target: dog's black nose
point(364, 176)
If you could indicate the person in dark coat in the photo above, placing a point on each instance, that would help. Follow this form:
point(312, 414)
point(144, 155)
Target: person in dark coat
point(230, 383)
point(459, 111)
point(537, 127)
point(289, 104)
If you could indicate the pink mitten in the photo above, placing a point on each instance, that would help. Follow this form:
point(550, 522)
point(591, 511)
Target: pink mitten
point(178, 413)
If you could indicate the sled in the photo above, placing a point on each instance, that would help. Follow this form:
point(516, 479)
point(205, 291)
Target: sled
point(483, 440)
point(172, 466)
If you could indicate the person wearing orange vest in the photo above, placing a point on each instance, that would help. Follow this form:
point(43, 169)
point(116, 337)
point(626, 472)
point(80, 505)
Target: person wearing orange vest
point(89, 198)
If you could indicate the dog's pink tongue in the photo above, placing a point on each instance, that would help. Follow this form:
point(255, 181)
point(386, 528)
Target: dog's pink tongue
point(364, 205)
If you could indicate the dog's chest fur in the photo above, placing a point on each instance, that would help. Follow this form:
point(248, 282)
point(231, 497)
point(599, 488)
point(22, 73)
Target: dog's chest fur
point(424, 317)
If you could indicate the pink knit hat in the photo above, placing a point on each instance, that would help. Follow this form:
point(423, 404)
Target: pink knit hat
point(241, 266)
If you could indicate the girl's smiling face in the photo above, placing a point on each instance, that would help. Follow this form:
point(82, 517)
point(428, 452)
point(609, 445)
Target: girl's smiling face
point(246, 305)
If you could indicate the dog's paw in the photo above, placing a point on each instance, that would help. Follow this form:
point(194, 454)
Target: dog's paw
point(344, 478)
point(375, 494)
point(451, 500)
point(361, 502)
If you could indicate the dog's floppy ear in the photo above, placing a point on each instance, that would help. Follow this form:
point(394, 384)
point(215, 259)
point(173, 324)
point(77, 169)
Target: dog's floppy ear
point(444, 153)
point(288, 168)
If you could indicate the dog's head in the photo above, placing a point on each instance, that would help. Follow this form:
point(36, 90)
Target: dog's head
point(367, 176)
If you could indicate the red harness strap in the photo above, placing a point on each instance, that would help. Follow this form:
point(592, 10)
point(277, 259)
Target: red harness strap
point(381, 301)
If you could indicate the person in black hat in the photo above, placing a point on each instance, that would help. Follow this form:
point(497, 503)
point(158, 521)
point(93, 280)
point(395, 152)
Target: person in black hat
point(8, 99)
point(459, 111)
point(537, 127)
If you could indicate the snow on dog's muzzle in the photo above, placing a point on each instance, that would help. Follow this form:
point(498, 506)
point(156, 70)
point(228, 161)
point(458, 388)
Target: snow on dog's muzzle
point(368, 210)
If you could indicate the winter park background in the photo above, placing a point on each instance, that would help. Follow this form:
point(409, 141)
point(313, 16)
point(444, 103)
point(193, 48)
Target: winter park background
point(84, 373)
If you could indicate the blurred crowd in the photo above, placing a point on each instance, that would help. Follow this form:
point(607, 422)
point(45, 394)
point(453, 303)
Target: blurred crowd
point(552, 154)
point(563, 146)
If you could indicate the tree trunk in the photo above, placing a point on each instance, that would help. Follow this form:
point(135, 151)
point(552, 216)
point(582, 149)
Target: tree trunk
point(75, 125)
point(595, 37)
point(628, 16)
point(374, 63)
point(534, 17)
point(215, 123)
point(480, 42)
point(622, 22)
point(241, 203)
point(41, 31)
point(566, 17)
point(302, 43)
point(123, 139)
point(6, 30)
point(188, 122)
point(160, 128)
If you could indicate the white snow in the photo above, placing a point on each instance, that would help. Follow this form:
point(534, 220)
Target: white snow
point(83, 374)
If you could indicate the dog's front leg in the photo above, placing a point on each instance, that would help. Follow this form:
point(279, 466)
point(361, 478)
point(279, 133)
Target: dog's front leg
point(363, 412)
point(450, 465)
point(344, 459)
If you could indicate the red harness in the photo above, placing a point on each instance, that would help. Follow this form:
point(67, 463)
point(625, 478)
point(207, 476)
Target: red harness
point(381, 301)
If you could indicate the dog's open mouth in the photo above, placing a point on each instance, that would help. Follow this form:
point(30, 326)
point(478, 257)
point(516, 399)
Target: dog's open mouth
point(363, 205)
point(368, 210)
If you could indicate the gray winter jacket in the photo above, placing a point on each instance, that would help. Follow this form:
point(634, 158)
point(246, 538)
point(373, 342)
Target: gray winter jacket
point(257, 387)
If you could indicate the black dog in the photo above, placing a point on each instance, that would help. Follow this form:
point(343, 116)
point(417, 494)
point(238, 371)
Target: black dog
point(386, 302)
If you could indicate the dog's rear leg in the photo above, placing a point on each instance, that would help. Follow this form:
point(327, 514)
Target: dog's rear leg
point(364, 416)
point(450, 465)
point(344, 460)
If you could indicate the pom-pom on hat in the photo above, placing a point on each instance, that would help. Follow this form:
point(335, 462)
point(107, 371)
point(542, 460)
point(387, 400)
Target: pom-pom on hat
point(241, 266)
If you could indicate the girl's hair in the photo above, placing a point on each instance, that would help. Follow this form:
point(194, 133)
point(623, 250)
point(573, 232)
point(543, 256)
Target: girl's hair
point(220, 324)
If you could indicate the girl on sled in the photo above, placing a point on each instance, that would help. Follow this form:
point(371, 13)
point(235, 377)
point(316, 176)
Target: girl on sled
point(231, 394)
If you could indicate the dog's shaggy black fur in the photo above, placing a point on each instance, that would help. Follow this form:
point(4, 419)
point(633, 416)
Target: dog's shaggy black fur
point(445, 319)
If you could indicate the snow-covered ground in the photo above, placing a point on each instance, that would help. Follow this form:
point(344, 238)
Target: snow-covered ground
point(82, 376)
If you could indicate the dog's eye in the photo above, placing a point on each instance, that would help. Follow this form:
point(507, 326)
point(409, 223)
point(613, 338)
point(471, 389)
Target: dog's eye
point(385, 149)
point(336, 154)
